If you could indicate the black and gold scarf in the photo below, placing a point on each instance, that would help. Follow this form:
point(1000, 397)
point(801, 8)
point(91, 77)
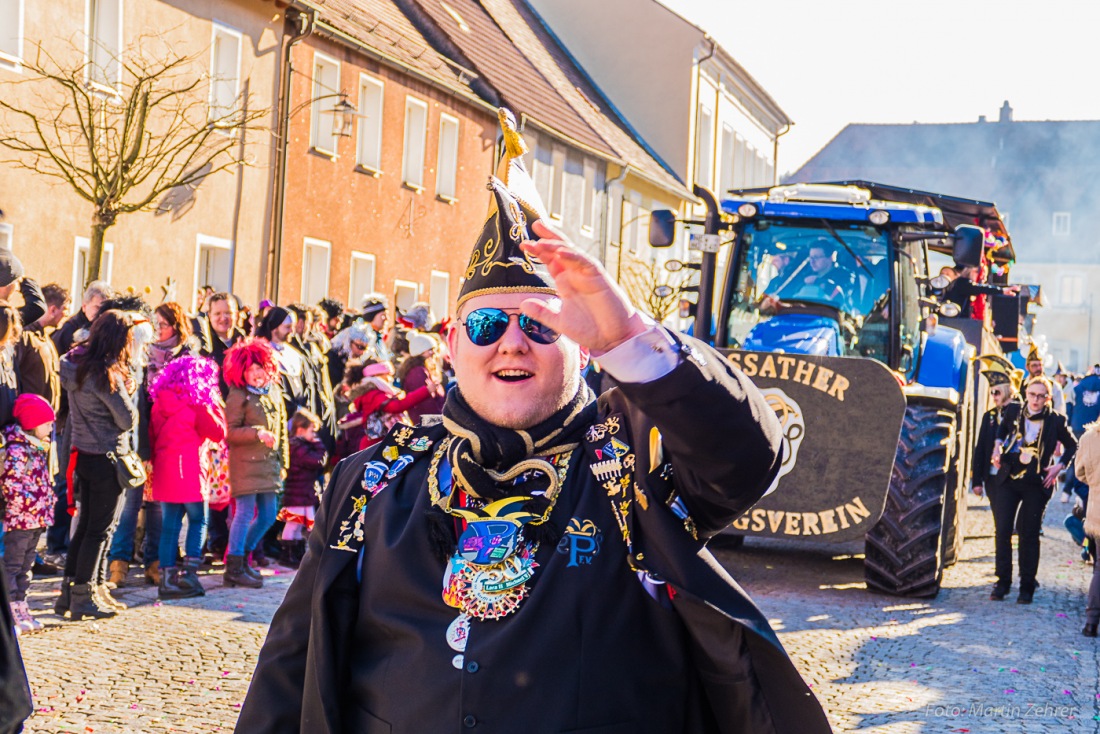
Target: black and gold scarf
point(487, 460)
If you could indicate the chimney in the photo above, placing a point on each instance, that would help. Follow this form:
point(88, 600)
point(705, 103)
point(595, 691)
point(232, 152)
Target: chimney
point(981, 118)
point(1006, 112)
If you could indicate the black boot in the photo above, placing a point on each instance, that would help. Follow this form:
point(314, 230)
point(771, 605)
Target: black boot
point(82, 603)
point(251, 570)
point(189, 576)
point(1090, 629)
point(235, 575)
point(999, 592)
point(288, 557)
point(61, 606)
point(299, 552)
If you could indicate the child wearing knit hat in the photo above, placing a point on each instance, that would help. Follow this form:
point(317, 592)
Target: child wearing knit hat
point(27, 489)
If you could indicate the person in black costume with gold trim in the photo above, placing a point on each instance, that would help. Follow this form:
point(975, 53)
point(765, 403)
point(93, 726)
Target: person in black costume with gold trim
point(534, 560)
point(1004, 390)
point(1028, 471)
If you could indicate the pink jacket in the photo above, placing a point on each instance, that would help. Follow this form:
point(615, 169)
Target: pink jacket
point(177, 430)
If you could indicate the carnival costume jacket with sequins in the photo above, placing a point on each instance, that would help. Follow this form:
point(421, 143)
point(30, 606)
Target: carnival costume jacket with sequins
point(628, 626)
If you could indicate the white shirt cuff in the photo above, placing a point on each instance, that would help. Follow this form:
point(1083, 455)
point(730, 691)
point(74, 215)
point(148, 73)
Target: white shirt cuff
point(643, 358)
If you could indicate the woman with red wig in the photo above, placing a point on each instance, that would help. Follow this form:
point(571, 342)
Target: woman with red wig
point(258, 451)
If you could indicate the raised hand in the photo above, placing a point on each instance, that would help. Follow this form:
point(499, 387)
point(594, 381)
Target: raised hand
point(593, 310)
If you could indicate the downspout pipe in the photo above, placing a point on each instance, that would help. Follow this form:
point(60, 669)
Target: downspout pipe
point(775, 153)
point(305, 21)
point(695, 110)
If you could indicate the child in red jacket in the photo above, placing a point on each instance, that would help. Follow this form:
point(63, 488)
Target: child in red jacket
point(382, 406)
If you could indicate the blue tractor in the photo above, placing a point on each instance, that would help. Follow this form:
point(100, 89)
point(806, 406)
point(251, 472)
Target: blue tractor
point(827, 301)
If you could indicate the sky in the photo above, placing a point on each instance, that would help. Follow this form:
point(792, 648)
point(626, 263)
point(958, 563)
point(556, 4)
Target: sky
point(831, 62)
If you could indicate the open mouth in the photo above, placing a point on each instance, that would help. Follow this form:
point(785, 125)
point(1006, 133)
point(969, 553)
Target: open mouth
point(512, 375)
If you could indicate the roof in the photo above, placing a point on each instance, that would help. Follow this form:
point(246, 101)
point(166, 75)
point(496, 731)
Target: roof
point(380, 25)
point(1029, 169)
point(507, 46)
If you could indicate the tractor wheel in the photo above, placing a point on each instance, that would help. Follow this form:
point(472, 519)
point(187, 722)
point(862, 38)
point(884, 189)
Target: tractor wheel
point(903, 550)
point(958, 481)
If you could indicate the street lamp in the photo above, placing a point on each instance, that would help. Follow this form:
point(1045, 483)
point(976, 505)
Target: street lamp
point(343, 118)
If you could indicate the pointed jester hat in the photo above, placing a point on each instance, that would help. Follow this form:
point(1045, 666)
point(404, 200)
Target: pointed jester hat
point(497, 264)
point(999, 371)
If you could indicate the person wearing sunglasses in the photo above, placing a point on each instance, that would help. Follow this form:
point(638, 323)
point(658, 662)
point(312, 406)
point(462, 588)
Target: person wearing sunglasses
point(1004, 389)
point(510, 566)
point(1028, 466)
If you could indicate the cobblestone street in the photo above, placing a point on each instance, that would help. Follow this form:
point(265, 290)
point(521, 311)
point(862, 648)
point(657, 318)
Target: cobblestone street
point(958, 663)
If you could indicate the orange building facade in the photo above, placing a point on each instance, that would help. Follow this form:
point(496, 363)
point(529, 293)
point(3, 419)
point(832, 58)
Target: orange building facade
point(395, 206)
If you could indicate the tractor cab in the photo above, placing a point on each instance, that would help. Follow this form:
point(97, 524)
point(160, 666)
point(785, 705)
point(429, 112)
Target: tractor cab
point(821, 270)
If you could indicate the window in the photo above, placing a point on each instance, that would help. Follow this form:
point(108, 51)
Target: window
point(1060, 227)
point(543, 168)
point(326, 88)
point(80, 265)
point(213, 264)
point(761, 170)
point(362, 277)
point(642, 230)
point(447, 167)
point(631, 206)
point(588, 206)
point(746, 154)
point(1074, 362)
point(315, 267)
point(557, 182)
point(439, 294)
point(368, 149)
point(725, 181)
point(11, 32)
point(704, 147)
point(405, 294)
point(909, 326)
point(416, 131)
point(225, 74)
point(105, 42)
point(1072, 290)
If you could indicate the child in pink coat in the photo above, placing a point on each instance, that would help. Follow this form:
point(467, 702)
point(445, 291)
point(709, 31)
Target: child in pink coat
point(187, 412)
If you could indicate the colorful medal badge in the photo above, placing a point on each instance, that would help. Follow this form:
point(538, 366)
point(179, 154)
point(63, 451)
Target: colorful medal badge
point(487, 577)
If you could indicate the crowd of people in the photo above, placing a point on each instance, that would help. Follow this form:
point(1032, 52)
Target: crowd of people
point(136, 434)
point(1041, 432)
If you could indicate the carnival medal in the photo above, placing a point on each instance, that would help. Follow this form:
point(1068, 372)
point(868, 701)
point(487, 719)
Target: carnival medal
point(486, 578)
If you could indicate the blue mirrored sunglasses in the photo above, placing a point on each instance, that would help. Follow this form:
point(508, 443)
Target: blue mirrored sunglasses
point(486, 326)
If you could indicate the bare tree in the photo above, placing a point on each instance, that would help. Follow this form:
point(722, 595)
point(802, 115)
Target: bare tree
point(651, 287)
point(122, 147)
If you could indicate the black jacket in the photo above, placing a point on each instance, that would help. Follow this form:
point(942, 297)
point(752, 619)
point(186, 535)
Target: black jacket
point(16, 704)
point(962, 289)
point(981, 468)
point(1054, 431)
point(601, 655)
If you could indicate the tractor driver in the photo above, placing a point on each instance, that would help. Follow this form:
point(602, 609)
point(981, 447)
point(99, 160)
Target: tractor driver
point(818, 278)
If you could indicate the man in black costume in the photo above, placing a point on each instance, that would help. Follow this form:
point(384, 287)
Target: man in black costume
point(534, 561)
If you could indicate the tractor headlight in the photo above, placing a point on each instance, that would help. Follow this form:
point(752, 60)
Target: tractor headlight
point(879, 217)
point(747, 210)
